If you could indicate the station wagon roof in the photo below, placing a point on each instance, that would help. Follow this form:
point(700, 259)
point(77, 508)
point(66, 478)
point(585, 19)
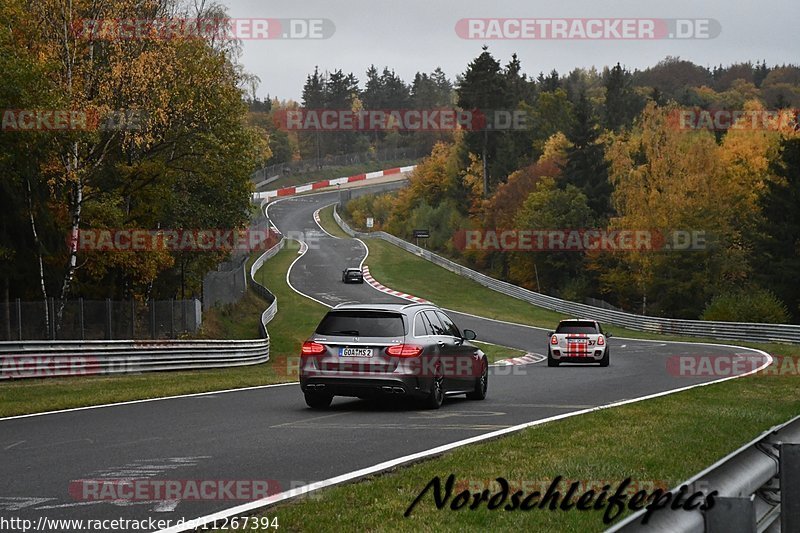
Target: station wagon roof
point(376, 307)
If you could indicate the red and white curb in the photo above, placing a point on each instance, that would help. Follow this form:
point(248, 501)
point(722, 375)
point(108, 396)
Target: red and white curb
point(369, 279)
point(527, 359)
point(297, 189)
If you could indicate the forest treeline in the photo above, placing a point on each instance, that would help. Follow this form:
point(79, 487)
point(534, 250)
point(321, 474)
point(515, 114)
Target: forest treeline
point(608, 150)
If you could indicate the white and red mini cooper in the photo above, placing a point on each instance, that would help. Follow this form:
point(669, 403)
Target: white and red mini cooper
point(578, 341)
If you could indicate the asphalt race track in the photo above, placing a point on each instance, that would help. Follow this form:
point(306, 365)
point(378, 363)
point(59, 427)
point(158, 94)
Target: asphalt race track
point(269, 433)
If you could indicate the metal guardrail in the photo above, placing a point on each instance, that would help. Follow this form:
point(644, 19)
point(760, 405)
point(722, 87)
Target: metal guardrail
point(270, 312)
point(38, 359)
point(41, 359)
point(758, 489)
point(754, 332)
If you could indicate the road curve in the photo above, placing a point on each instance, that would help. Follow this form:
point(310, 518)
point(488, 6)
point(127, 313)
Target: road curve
point(268, 433)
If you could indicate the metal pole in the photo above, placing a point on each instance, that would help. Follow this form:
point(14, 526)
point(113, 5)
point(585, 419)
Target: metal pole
point(19, 318)
point(52, 319)
point(152, 318)
point(172, 318)
point(789, 473)
point(109, 334)
point(133, 318)
point(81, 318)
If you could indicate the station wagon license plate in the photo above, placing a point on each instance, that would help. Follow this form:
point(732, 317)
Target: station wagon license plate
point(355, 352)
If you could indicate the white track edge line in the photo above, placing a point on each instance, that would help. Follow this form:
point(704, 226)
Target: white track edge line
point(303, 250)
point(319, 223)
point(258, 504)
point(145, 400)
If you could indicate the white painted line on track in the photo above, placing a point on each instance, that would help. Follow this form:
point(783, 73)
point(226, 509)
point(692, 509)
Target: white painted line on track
point(303, 250)
point(366, 248)
point(319, 221)
point(145, 400)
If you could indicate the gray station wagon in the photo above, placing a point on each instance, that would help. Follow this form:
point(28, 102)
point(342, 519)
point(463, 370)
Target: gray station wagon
point(391, 350)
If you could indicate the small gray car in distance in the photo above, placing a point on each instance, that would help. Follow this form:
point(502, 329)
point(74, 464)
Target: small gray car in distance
point(578, 341)
point(391, 350)
point(352, 275)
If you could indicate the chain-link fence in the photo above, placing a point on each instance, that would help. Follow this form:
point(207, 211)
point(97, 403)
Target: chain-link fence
point(98, 319)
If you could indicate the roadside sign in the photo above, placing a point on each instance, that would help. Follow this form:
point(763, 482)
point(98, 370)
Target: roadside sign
point(421, 233)
point(370, 222)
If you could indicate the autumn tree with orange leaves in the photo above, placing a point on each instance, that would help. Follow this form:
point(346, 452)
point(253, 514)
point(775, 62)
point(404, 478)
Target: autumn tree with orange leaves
point(182, 161)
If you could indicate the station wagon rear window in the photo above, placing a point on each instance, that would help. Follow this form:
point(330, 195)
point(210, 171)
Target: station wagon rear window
point(362, 324)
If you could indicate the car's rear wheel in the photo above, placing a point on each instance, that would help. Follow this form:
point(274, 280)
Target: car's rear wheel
point(435, 397)
point(481, 384)
point(316, 400)
point(551, 361)
point(604, 360)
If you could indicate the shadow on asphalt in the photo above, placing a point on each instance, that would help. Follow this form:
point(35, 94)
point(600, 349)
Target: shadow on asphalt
point(378, 405)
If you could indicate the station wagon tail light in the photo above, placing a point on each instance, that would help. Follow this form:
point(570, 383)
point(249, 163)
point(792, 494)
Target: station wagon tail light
point(601, 340)
point(404, 350)
point(312, 348)
point(553, 339)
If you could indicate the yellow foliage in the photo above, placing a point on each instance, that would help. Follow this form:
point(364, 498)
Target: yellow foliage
point(555, 149)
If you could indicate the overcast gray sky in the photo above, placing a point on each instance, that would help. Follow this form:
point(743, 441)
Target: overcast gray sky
point(418, 35)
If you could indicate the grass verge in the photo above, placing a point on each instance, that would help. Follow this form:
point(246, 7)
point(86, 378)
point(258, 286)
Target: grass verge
point(296, 317)
point(495, 352)
point(329, 223)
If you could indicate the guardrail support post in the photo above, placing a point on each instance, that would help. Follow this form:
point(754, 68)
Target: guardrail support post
point(52, 310)
point(152, 319)
point(184, 317)
point(81, 319)
point(790, 486)
point(108, 319)
point(19, 318)
point(732, 515)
